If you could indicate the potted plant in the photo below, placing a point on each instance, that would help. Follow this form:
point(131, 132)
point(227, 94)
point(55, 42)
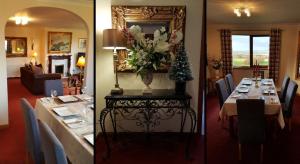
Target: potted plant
point(217, 65)
point(180, 71)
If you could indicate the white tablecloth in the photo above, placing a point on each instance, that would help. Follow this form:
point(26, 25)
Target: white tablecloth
point(272, 102)
point(77, 149)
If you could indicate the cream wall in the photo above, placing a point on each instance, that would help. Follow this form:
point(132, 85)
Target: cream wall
point(40, 37)
point(104, 61)
point(31, 33)
point(76, 34)
point(9, 7)
point(289, 44)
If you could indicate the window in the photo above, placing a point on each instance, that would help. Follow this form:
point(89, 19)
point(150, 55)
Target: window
point(249, 49)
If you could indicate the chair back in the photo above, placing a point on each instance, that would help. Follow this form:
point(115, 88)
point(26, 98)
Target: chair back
point(53, 84)
point(230, 83)
point(251, 120)
point(53, 150)
point(32, 132)
point(284, 87)
point(222, 91)
point(289, 98)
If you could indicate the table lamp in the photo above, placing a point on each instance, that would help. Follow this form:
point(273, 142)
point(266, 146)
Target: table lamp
point(34, 56)
point(113, 39)
point(81, 64)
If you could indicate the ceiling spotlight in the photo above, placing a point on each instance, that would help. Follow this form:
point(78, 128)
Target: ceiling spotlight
point(21, 20)
point(238, 11)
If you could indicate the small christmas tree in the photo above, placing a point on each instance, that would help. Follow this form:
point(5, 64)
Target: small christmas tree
point(180, 70)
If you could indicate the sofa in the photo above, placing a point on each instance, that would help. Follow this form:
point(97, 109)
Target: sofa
point(33, 81)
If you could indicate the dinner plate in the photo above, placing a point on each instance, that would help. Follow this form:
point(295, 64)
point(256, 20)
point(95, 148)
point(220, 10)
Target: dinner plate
point(63, 111)
point(243, 89)
point(89, 138)
point(247, 82)
point(67, 98)
point(266, 91)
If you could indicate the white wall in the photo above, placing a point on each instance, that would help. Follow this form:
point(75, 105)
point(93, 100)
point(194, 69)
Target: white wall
point(9, 7)
point(104, 61)
point(289, 45)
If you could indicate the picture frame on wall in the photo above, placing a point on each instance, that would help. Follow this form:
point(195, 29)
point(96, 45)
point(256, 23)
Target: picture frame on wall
point(82, 42)
point(59, 42)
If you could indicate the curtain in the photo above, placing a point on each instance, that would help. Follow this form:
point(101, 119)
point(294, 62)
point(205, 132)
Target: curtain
point(274, 57)
point(226, 51)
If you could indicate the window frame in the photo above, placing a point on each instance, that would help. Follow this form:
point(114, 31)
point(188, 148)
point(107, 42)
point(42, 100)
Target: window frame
point(251, 52)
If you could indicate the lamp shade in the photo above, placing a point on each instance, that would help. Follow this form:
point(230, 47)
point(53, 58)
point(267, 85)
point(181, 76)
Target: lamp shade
point(34, 54)
point(113, 39)
point(81, 61)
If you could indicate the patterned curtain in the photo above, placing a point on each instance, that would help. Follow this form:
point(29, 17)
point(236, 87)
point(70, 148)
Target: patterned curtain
point(226, 51)
point(274, 57)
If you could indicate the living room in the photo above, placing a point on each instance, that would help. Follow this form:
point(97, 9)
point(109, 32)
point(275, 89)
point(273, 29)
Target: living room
point(34, 32)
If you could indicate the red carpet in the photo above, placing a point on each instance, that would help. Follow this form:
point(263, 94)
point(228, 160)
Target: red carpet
point(161, 149)
point(221, 148)
point(12, 139)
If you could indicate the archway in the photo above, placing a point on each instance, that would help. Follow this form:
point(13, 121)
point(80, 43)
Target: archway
point(37, 41)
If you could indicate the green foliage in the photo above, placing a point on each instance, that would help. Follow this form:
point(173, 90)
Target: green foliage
point(180, 70)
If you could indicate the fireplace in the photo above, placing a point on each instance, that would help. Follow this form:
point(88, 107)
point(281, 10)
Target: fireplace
point(59, 69)
point(59, 64)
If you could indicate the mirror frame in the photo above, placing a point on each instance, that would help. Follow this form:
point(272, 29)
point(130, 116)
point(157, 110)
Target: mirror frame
point(175, 15)
point(9, 55)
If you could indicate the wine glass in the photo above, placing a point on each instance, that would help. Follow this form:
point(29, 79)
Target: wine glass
point(83, 90)
point(53, 93)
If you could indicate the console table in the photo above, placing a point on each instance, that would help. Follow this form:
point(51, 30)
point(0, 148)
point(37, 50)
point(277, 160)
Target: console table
point(147, 111)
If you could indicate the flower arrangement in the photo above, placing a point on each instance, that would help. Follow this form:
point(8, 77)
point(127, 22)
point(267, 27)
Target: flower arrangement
point(147, 54)
point(216, 63)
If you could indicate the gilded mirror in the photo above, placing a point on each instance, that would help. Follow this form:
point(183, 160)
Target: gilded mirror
point(149, 18)
point(16, 46)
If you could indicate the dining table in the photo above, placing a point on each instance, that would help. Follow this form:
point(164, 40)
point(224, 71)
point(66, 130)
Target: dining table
point(253, 88)
point(71, 118)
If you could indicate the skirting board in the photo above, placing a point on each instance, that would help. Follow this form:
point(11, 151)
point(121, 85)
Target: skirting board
point(4, 126)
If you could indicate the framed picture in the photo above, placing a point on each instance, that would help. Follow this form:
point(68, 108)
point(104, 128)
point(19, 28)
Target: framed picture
point(82, 43)
point(59, 42)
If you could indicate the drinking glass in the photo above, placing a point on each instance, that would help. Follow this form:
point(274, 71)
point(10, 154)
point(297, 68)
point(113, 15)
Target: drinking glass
point(53, 93)
point(83, 90)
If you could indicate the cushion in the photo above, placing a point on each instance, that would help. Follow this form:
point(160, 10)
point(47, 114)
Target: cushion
point(37, 70)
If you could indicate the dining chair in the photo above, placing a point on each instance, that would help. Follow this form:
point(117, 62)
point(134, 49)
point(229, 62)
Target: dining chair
point(230, 83)
point(289, 102)
point(32, 133)
point(222, 91)
point(284, 87)
point(251, 123)
point(53, 150)
point(53, 85)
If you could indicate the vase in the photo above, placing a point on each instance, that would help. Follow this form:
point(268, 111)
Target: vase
point(217, 73)
point(147, 80)
point(180, 87)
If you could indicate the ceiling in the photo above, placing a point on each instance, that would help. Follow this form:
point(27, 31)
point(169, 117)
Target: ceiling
point(262, 11)
point(49, 17)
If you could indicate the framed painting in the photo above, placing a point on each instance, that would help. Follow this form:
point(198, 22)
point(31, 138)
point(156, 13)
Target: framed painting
point(59, 42)
point(82, 43)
